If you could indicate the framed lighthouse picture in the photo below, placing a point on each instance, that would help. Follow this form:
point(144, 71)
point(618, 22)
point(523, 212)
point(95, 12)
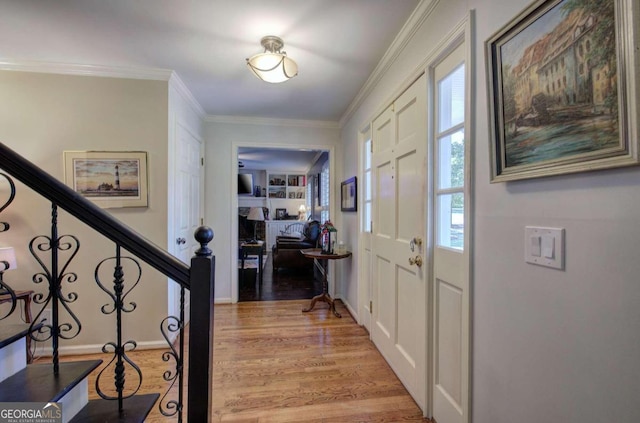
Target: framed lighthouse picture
point(110, 179)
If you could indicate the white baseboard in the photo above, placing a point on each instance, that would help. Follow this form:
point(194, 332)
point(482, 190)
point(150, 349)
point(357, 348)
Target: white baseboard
point(351, 309)
point(222, 301)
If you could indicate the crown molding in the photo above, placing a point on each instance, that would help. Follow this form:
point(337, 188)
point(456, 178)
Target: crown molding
point(86, 70)
point(417, 18)
point(243, 120)
point(176, 82)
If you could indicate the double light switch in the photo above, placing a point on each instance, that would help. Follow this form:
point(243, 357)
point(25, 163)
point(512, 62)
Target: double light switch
point(544, 246)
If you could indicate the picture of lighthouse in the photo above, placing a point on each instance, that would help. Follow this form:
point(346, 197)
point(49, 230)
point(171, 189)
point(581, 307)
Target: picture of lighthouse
point(108, 176)
point(117, 187)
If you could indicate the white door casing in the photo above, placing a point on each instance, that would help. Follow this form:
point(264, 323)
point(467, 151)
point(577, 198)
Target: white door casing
point(399, 317)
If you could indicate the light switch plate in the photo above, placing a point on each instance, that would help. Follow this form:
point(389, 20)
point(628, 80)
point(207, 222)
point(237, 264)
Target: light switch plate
point(552, 245)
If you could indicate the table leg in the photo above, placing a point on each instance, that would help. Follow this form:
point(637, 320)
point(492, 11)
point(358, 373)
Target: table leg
point(324, 297)
point(27, 319)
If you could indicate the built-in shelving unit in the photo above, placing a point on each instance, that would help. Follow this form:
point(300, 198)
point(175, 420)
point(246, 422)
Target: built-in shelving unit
point(286, 186)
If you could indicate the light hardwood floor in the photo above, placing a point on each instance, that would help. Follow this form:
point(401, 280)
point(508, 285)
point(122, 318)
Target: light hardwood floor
point(274, 363)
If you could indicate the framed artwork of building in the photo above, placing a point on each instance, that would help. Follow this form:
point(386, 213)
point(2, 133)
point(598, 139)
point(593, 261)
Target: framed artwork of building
point(110, 179)
point(563, 89)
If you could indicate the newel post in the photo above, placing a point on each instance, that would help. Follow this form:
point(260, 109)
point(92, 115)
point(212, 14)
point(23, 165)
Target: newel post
point(200, 395)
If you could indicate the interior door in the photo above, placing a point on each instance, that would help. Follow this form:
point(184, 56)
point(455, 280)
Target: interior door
point(186, 201)
point(399, 265)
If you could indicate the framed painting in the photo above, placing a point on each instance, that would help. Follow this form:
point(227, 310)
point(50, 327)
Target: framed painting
point(349, 195)
point(110, 179)
point(281, 214)
point(563, 89)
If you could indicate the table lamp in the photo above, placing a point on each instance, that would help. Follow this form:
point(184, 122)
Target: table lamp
point(302, 212)
point(256, 214)
point(7, 262)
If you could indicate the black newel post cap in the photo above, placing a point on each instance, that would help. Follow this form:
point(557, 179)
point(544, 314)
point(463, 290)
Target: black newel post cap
point(203, 235)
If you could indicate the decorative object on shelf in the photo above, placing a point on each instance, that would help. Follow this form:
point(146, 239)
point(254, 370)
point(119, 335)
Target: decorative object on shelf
point(256, 214)
point(302, 212)
point(273, 65)
point(349, 195)
point(110, 179)
point(328, 236)
point(258, 191)
point(562, 89)
point(281, 214)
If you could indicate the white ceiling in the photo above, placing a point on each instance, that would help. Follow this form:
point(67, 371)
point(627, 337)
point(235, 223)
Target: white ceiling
point(336, 43)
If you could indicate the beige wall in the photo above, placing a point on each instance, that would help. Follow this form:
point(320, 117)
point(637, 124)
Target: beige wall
point(41, 115)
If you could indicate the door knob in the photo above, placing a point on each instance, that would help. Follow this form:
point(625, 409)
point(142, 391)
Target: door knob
point(415, 241)
point(181, 241)
point(417, 260)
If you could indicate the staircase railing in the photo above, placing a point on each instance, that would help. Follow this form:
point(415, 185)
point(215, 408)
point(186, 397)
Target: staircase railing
point(199, 278)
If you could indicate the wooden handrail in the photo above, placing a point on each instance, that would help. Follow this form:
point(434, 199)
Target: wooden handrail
point(93, 216)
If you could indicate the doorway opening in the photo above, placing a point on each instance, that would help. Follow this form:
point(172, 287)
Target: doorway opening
point(279, 193)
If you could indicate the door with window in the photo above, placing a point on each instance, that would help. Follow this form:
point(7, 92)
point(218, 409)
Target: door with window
point(451, 247)
point(364, 245)
point(399, 266)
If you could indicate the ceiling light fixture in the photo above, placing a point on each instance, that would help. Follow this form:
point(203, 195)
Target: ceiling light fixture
point(273, 65)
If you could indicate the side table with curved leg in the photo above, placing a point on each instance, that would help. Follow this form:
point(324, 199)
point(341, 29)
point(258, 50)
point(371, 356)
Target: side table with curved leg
point(321, 260)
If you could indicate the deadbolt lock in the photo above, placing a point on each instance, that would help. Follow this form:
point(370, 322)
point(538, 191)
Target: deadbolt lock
point(415, 241)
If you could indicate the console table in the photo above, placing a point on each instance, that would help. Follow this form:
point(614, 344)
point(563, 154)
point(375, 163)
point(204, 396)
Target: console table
point(321, 260)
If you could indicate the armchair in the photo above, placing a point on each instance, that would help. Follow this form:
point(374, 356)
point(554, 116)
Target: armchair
point(286, 251)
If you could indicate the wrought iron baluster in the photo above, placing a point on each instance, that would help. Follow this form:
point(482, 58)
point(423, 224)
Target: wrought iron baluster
point(119, 348)
point(4, 226)
point(55, 276)
point(170, 325)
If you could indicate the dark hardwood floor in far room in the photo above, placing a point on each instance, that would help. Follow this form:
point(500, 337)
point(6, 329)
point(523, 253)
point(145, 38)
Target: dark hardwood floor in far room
point(286, 284)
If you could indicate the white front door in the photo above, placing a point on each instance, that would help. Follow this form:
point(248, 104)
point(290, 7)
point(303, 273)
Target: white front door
point(399, 267)
point(186, 202)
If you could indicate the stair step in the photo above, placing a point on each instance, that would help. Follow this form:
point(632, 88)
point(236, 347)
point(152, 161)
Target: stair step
point(13, 349)
point(12, 333)
point(37, 383)
point(135, 408)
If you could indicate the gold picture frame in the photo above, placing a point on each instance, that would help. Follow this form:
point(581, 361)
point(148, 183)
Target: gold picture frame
point(563, 89)
point(110, 179)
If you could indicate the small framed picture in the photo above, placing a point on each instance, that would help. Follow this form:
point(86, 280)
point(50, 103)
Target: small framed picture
point(110, 179)
point(280, 214)
point(348, 195)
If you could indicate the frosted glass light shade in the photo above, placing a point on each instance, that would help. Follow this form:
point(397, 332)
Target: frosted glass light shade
point(8, 254)
point(273, 67)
